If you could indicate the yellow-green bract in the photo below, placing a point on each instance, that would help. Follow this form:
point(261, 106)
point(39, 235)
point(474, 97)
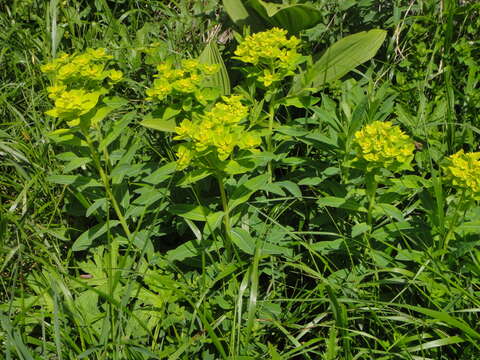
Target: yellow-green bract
point(463, 171)
point(218, 130)
point(78, 82)
point(382, 144)
point(272, 52)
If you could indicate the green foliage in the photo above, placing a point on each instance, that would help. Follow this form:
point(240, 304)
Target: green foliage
point(256, 13)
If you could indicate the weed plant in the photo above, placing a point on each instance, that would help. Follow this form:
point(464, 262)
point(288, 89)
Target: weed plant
point(169, 191)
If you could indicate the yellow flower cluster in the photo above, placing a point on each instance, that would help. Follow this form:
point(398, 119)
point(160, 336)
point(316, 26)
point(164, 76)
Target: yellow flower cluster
point(219, 130)
point(77, 82)
point(70, 105)
point(382, 144)
point(82, 68)
point(463, 170)
point(186, 79)
point(271, 51)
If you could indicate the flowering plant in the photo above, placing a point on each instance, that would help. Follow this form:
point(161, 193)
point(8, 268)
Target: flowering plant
point(216, 133)
point(383, 145)
point(272, 54)
point(186, 80)
point(78, 83)
point(462, 170)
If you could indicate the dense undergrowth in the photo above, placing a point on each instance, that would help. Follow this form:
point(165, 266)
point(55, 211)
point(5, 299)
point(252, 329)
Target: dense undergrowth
point(174, 185)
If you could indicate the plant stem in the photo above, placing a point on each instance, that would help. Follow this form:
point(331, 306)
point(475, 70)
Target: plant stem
point(106, 184)
point(271, 119)
point(226, 219)
point(371, 189)
point(452, 226)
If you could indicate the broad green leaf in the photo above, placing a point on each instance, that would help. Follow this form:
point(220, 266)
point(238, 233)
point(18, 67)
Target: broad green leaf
point(115, 102)
point(390, 211)
point(327, 246)
point(67, 137)
point(359, 229)
point(243, 192)
point(76, 163)
point(84, 241)
point(235, 167)
point(99, 203)
point(301, 102)
point(117, 129)
point(243, 240)
point(100, 114)
point(214, 221)
point(340, 58)
point(76, 180)
point(387, 231)
point(293, 188)
point(190, 249)
point(211, 55)
point(191, 212)
point(341, 203)
point(121, 170)
point(294, 18)
point(159, 124)
point(237, 11)
point(161, 174)
point(193, 177)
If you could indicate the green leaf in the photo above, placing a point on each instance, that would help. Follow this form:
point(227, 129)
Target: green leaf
point(193, 177)
point(327, 246)
point(340, 58)
point(166, 125)
point(99, 203)
point(190, 249)
point(67, 137)
point(161, 174)
point(442, 317)
point(214, 221)
point(341, 203)
point(117, 129)
point(294, 18)
point(191, 212)
point(244, 191)
point(293, 188)
point(359, 229)
point(115, 102)
point(100, 114)
point(390, 211)
point(76, 180)
point(301, 102)
point(84, 241)
point(235, 167)
point(243, 240)
point(237, 12)
point(211, 55)
point(76, 163)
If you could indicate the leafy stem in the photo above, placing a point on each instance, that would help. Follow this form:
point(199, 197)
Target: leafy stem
point(106, 183)
point(451, 228)
point(271, 119)
point(226, 218)
point(371, 190)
